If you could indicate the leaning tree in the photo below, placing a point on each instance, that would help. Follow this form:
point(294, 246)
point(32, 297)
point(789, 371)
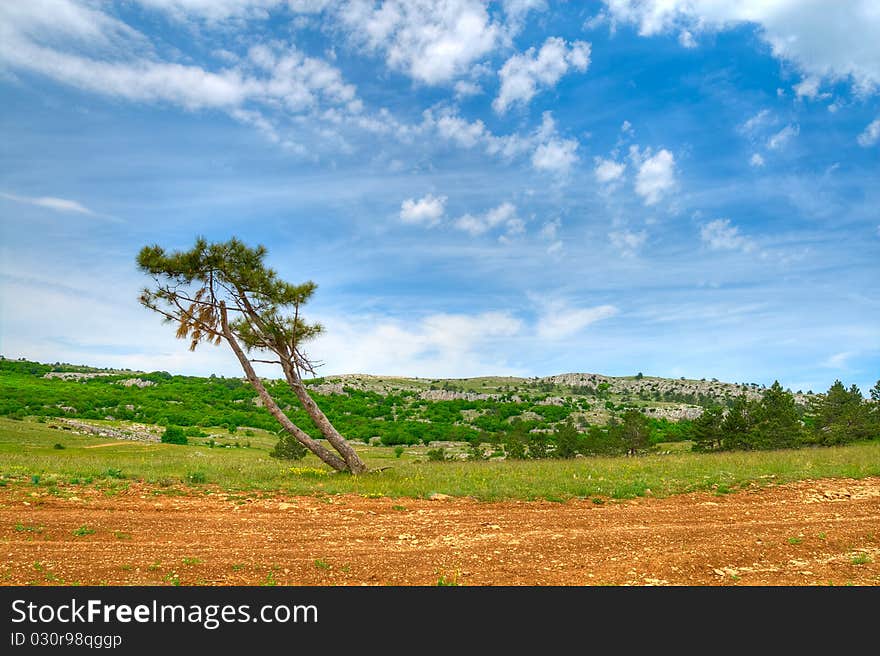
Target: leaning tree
point(224, 292)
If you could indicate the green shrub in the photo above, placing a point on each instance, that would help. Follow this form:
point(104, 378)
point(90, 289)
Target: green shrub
point(436, 455)
point(288, 448)
point(174, 435)
point(196, 477)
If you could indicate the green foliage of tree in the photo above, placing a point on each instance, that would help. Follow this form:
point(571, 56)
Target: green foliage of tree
point(634, 432)
point(567, 441)
point(288, 448)
point(842, 415)
point(777, 422)
point(516, 441)
point(706, 430)
point(737, 425)
point(538, 445)
point(174, 435)
point(224, 292)
point(602, 441)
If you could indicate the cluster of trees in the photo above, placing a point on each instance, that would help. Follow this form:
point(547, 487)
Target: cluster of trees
point(775, 422)
point(630, 435)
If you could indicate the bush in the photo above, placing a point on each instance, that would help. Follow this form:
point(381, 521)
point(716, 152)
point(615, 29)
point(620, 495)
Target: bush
point(196, 477)
point(436, 455)
point(398, 451)
point(288, 448)
point(174, 435)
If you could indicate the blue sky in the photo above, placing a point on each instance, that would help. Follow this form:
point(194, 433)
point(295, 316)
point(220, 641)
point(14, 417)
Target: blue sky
point(683, 188)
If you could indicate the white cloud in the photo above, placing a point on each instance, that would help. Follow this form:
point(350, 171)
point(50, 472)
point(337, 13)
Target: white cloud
point(523, 74)
point(518, 9)
point(823, 39)
point(550, 233)
point(808, 88)
point(504, 214)
point(558, 320)
point(607, 170)
point(424, 211)
point(686, 39)
point(438, 345)
point(627, 242)
point(756, 160)
point(757, 122)
point(656, 173)
point(465, 89)
point(555, 156)
point(781, 138)
point(50, 202)
point(719, 235)
point(550, 229)
point(870, 135)
point(838, 360)
point(82, 47)
point(432, 42)
point(214, 10)
point(462, 132)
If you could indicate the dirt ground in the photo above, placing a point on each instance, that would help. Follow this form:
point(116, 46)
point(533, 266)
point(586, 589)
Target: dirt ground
point(808, 533)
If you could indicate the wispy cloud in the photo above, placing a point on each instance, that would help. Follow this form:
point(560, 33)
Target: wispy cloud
point(785, 135)
point(557, 319)
point(50, 202)
point(720, 235)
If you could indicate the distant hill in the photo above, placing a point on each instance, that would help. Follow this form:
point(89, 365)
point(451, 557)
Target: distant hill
point(394, 409)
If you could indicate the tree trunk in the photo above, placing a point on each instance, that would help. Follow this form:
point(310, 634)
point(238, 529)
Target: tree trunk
point(302, 437)
point(352, 459)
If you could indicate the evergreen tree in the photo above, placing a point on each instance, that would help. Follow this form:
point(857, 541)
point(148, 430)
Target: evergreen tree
point(842, 416)
point(777, 422)
point(516, 440)
point(875, 393)
point(634, 432)
point(567, 439)
point(706, 430)
point(737, 424)
point(537, 445)
point(224, 292)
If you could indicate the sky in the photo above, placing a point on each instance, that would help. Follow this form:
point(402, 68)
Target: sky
point(520, 187)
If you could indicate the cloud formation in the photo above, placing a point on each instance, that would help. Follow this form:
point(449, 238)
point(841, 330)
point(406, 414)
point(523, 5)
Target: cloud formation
point(502, 215)
point(656, 173)
point(427, 210)
point(558, 320)
point(431, 42)
point(50, 202)
point(720, 235)
point(870, 135)
point(523, 74)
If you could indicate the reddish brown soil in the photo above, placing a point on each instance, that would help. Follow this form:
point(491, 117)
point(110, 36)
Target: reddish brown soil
point(808, 533)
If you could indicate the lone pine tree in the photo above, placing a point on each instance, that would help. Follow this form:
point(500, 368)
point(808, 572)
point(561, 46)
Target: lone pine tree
point(224, 292)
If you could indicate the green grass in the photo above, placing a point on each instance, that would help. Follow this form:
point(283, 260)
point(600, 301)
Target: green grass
point(27, 454)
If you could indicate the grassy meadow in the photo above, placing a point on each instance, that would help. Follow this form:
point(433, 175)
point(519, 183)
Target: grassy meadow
point(29, 456)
